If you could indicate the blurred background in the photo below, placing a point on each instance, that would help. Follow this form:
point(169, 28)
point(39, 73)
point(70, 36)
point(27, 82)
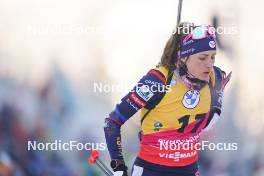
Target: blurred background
point(55, 53)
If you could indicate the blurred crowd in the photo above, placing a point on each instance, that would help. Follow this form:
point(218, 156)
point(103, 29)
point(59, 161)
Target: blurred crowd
point(27, 114)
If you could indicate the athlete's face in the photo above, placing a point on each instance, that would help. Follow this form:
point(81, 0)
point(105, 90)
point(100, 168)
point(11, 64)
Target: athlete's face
point(200, 64)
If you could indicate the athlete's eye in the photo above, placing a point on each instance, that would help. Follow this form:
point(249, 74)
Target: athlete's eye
point(202, 58)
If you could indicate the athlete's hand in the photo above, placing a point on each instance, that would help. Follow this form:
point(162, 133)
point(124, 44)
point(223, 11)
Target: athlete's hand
point(219, 91)
point(119, 167)
point(120, 173)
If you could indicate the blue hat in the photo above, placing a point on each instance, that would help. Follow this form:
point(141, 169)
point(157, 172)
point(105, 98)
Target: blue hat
point(202, 38)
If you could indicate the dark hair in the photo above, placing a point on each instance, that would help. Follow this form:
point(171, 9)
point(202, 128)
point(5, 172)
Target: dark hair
point(169, 56)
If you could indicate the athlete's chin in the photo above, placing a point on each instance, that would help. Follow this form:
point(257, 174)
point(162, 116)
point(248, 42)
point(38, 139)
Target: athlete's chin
point(204, 77)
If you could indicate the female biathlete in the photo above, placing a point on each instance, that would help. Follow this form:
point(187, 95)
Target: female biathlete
point(178, 99)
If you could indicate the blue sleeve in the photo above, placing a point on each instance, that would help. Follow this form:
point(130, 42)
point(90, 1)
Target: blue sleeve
point(218, 77)
point(145, 94)
point(217, 94)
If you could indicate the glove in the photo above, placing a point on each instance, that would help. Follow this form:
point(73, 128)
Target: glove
point(217, 100)
point(219, 91)
point(120, 173)
point(119, 167)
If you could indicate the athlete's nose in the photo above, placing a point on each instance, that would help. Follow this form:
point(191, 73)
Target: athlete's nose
point(209, 63)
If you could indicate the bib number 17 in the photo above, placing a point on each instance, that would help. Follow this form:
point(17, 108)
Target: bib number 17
point(184, 121)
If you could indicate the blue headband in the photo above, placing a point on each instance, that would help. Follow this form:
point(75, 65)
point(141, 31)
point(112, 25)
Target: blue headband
point(192, 46)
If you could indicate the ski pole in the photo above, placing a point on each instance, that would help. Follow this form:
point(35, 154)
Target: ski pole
point(94, 158)
point(179, 12)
